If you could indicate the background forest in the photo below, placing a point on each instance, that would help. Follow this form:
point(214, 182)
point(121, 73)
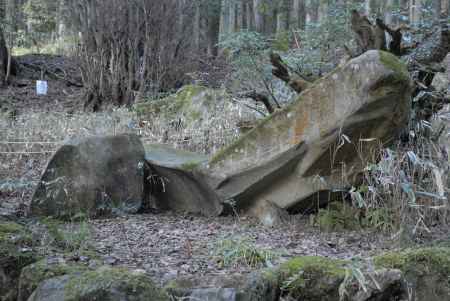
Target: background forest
point(132, 49)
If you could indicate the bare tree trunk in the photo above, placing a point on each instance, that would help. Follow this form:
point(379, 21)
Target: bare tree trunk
point(437, 8)
point(298, 14)
point(415, 12)
point(313, 11)
point(282, 16)
point(3, 58)
point(259, 17)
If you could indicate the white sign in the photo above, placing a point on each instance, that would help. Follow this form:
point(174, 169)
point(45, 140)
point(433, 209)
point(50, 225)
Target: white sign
point(41, 87)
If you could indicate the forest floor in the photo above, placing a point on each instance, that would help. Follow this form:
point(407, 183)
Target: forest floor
point(165, 245)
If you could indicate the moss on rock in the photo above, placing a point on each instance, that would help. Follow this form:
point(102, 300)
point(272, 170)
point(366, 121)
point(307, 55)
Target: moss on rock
point(312, 278)
point(105, 283)
point(392, 62)
point(34, 274)
point(427, 270)
point(434, 260)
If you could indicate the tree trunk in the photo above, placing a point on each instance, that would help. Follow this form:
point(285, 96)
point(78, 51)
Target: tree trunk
point(415, 12)
point(3, 58)
point(437, 7)
point(298, 17)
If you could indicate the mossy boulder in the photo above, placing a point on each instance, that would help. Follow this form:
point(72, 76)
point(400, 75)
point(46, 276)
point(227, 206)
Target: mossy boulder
point(192, 107)
point(105, 283)
point(42, 270)
point(426, 271)
point(312, 278)
point(16, 252)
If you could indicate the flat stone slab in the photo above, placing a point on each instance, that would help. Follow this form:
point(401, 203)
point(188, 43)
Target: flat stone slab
point(164, 155)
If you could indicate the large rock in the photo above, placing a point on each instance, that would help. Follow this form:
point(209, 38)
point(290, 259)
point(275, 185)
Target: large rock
point(15, 253)
point(94, 176)
point(106, 284)
point(316, 137)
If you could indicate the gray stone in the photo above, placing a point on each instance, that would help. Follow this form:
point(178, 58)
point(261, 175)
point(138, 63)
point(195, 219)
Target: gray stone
point(95, 176)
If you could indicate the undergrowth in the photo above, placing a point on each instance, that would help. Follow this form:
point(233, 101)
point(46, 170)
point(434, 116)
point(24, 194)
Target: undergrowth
point(69, 237)
point(403, 188)
point(237, 251)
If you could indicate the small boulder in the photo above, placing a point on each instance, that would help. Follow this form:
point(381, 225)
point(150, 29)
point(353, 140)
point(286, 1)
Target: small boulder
point(15, 253)
point(94, 176)
point(106, 284)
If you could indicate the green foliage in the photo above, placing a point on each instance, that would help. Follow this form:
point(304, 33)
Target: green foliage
point(237, 251)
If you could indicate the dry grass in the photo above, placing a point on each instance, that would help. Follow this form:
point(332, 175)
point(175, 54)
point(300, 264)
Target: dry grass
point(407, 187)
point(28, 142)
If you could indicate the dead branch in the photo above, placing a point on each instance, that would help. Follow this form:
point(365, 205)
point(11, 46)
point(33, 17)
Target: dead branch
point(281, 71)
point(259, 97)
